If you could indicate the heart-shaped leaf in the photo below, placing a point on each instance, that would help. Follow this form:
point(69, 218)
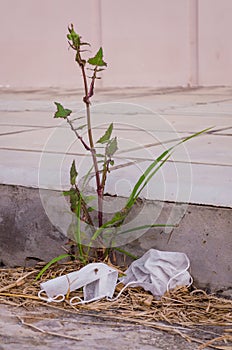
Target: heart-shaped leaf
point(97, 60)
point(73, 173)
point(73, 37)
point(105, 138)
point(61, 111)
point(111, 147)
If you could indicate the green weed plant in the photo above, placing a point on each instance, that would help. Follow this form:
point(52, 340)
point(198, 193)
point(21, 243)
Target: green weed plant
point(102, 231)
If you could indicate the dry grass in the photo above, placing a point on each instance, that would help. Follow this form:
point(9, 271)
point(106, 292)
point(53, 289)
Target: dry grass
point(176, 309)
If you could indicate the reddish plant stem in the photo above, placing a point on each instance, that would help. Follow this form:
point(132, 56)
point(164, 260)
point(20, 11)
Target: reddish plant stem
point(77, 135)
point(104, 173)
point(85, 209)
point(86, 100)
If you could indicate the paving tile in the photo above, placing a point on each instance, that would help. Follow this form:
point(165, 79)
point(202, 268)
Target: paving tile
point(178, 182)
point(206, 109)
point(27, 119)
point(24, 104)
point(146, 121)
point(14, 129)
point(212, 90)
point(50, 139)
point(206, 149)
point(187, 123)
point(33, 169)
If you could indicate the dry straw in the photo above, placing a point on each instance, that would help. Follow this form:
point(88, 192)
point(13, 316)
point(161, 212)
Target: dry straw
point(177, 311)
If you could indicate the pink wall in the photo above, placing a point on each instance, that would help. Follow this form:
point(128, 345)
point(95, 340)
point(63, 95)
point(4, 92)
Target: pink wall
point(146, 43)
point(215, 42)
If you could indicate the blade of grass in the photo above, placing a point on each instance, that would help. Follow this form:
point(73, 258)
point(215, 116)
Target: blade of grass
point(53, 261)
point(140, 184)
point(144, 227)
point(192, 136)
point(126, 253)
point(78, 231)
point(143, 177)
point(152, 174)
point(146, 180)
point(117, 218)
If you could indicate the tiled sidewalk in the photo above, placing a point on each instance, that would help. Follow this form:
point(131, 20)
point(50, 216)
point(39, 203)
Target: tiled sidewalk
point(37, 150)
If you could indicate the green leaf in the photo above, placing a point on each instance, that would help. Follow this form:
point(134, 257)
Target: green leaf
point(97, 60)
point(78, 231)
point(138, 228)
point(89, 198)
point(143, 178)
point(116, 221)
point(73, 198)
point(154, 167)
point(153, 173)
point(73, 173)
point(90, 209)
point(74, 37)
point(67, 193)
point(193, 135)
point(105, 138)
point(111, 147)
point(61, 111)
point(53, 261)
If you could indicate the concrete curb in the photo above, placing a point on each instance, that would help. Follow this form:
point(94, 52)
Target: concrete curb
point(203, 233)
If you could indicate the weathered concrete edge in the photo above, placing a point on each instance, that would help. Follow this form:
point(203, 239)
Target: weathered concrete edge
point(204, 233)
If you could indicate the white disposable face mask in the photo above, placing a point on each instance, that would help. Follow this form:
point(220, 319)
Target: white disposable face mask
point(97, 279)
point(158, 271)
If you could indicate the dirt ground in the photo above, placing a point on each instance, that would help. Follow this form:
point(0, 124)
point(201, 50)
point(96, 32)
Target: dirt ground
point(49, 328)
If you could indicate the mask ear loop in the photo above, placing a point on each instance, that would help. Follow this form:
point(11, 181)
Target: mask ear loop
point(122, 290)
point(57, 299)
point(180, 273)
point(73, 303)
